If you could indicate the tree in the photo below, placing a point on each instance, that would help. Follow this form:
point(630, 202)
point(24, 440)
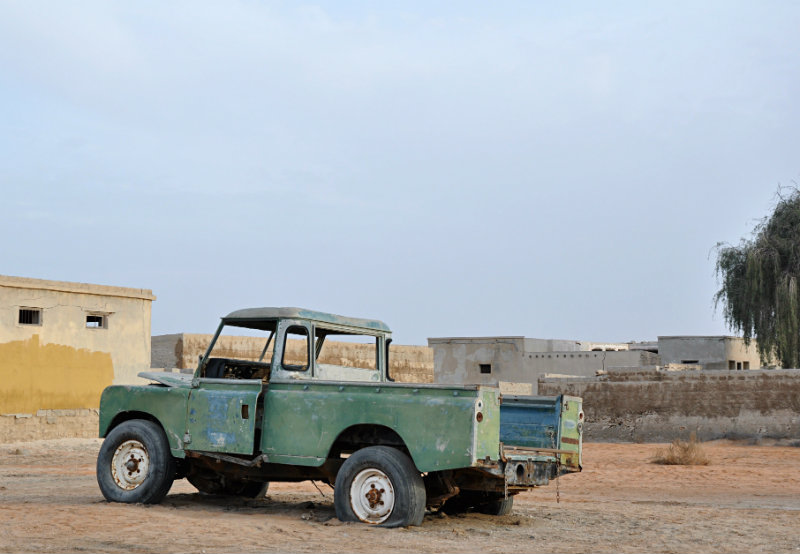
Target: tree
point(759, 283)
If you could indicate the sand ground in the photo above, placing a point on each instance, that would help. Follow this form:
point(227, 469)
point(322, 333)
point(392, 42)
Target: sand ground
point(747, 500)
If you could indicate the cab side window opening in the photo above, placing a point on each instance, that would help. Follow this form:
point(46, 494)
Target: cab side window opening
point(344, 350)
point(295, 349)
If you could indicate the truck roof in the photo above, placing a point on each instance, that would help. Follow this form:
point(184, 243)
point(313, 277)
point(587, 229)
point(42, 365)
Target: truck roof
point(250, 317)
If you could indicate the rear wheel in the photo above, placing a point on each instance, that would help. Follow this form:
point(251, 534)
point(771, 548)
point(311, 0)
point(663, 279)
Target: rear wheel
point(135, 463)
point(484, 503)
point(380, 485)
point(223, 485)
point(500, 507)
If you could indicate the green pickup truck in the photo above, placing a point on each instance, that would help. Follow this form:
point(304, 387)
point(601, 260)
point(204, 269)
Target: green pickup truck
point(307, 410)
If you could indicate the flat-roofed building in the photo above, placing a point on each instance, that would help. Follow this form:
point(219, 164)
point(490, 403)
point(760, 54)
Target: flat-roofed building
point(710, 352)
point(62, 343)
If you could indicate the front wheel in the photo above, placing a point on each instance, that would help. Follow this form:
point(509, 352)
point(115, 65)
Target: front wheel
point(135, 463)
point(381, 486)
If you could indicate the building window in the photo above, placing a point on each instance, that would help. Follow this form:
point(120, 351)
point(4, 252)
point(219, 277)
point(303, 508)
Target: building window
point(746, 365)
point(738, 365)
point(486, 368)
point(731, 364)
point(690, 361)
point(30, 316)
point(96, 321)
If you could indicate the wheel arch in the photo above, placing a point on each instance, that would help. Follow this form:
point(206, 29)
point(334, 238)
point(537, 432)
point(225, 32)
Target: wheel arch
point(175, 442)
point(127, 416)
point(361, 435)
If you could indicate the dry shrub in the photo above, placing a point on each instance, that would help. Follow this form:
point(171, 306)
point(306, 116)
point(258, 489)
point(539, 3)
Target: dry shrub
point(684, 453)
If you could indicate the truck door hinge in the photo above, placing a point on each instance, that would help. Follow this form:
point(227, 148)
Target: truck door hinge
point(187, 438)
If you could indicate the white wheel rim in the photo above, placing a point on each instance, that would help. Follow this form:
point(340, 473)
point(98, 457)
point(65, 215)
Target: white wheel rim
point(130, 465)
point(372, 496)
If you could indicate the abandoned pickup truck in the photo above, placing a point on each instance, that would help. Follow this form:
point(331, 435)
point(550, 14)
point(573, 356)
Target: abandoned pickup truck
point(308, 409)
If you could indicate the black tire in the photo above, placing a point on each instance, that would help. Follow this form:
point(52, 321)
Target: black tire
point(484, 503)
point(386, 467)
point(135, 463)
point(500, 507)
point(223, 485)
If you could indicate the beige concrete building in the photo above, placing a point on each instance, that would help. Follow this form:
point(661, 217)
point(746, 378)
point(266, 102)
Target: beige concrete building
point(714, 352)
point(62, 343)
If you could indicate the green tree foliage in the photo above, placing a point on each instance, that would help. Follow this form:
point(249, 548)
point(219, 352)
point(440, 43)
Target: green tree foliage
point(759, 283)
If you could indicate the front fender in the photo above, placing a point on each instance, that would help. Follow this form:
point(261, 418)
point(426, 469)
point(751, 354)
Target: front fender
point(166, 405)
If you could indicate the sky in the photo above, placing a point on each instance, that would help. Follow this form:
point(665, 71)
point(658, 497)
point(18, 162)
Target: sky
point(451, 168)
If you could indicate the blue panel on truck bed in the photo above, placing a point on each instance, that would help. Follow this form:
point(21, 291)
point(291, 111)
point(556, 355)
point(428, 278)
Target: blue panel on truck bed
point(530, 421)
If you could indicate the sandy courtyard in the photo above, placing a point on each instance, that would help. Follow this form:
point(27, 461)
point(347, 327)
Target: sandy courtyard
point(747, 500)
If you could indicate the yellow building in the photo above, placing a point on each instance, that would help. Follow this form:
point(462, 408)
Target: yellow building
point(62, 343)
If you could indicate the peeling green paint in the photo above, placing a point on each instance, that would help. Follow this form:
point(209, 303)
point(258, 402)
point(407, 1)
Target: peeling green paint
point(166, 404)
point(302, 421)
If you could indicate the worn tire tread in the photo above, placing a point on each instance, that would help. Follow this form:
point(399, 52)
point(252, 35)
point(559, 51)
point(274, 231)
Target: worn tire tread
point(162, 465)
point(406, 480)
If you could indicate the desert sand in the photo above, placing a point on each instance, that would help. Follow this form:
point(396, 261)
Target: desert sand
point(746, 500)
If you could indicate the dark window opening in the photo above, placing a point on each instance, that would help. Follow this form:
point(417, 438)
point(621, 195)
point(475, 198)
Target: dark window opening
point(295, 349)
point(690, 361)
point(96, 321)
point(731, 364)
point(30, 316)
point(738, 365)
point(746, 365)
point(486, 368)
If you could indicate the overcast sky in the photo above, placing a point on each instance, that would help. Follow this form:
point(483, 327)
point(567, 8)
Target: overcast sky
point(451, 168)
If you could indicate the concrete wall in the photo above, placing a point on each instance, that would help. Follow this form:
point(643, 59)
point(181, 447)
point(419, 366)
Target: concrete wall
point(49, 424)
point(163, 351)
point(584, 363)
point(651, 406)
point(458, 360)
point(711, 352)
point(60, 364)
point(411, 364)
point(550, 345)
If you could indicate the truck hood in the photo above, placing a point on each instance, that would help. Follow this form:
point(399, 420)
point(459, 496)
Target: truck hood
point(181, 380)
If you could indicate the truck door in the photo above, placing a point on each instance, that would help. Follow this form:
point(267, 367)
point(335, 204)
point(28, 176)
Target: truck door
point(221, 416)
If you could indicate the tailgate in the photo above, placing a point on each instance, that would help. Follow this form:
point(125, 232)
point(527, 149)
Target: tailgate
point(544, 423)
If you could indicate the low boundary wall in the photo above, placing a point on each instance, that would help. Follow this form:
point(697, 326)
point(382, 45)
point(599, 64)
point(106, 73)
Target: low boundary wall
point(49, 424)
point(659, 406)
